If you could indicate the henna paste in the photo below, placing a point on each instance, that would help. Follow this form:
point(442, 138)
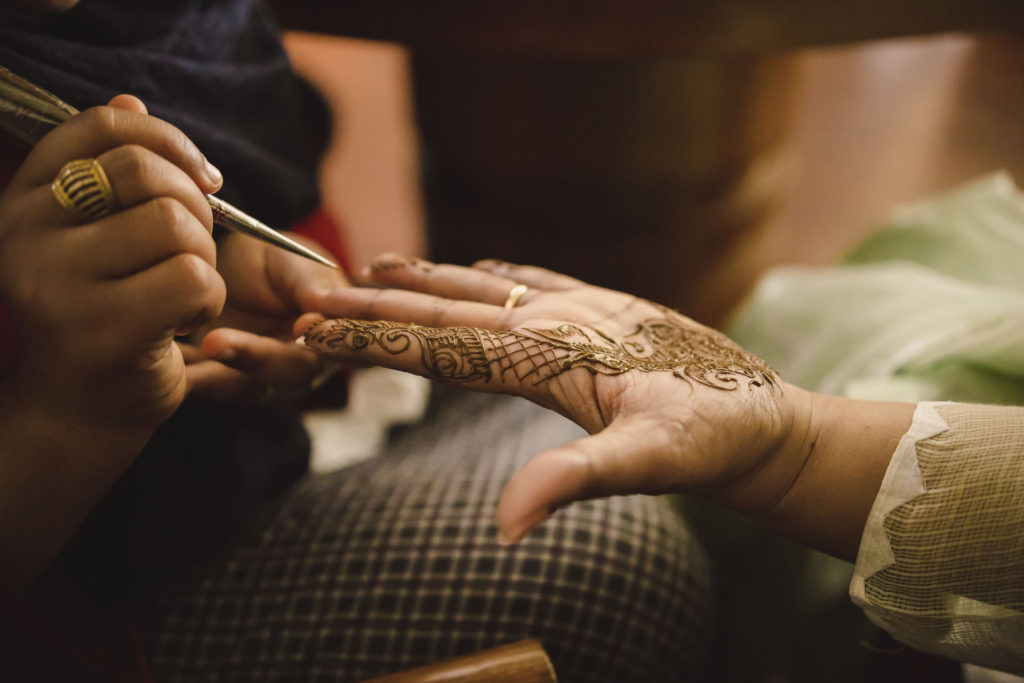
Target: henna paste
point(396, 261)
point(463, 354)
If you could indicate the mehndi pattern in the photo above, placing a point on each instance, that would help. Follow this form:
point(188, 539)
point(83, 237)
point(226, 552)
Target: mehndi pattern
point(531, 356)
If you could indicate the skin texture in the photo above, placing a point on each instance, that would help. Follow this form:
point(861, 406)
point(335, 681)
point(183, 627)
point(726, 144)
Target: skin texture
point(670, 405)
point(100, 308)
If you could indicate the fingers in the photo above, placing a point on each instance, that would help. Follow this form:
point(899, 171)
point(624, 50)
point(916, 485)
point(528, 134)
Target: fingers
point(188, 289)
point(531, 276)
point(627, 457)
point(478, 359)
point(238, 365)
point(285, 365)
point(413, 307)
point(136, 176)
point(127, 242)
point(441, 280)
point(299, 282)
point(129, 103)
point(304, 322)
point(215, 381)
point(100, 129)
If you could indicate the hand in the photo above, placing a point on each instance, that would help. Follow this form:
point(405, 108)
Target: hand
point(671, 405)
point(247, 353)
point(96, 304)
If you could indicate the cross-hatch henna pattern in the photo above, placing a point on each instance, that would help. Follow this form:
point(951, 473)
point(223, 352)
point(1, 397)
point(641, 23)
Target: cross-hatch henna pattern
point(465, 354)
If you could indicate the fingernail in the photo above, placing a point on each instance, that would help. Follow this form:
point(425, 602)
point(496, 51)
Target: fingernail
point(213, 173)
point(489, 263)
point(389, 261)
point(505, 538)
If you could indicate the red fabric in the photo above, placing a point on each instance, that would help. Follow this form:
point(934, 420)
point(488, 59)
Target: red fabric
point(320, 227)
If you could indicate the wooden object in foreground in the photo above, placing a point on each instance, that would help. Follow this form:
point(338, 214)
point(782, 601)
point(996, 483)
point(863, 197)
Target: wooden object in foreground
point(521, 662)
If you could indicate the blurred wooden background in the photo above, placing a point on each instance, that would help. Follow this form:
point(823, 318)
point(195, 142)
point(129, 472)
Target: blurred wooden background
point(679, 179)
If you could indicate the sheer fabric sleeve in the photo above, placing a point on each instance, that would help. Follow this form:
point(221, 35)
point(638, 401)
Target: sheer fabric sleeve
point(941, 562)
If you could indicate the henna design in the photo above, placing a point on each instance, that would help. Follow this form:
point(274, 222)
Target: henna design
point(397, 261)
point(463, 354)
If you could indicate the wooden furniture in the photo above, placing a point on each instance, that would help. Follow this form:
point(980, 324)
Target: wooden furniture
point(601, 29)
point(521, 662)
point(637, 144)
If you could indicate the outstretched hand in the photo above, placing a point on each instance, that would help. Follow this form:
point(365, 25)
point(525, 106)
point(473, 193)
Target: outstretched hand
point(670, 405)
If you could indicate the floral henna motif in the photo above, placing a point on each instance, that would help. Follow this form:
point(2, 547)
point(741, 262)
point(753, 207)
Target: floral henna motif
point(464, 354)
point(695, 353)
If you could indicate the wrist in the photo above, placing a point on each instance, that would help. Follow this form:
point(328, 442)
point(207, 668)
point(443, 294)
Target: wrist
point(840, 448)
point(52, 472)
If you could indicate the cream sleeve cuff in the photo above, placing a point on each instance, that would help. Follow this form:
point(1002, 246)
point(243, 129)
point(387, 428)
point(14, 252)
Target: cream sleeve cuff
point(941, 561)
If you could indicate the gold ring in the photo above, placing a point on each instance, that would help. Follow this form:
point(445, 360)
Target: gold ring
point(514, 294)
point(82, 188)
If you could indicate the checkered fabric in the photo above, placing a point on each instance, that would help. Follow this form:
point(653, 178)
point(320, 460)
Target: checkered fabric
point(393, 563)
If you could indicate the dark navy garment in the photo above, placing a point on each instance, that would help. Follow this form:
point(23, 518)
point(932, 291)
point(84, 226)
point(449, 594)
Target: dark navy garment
point(214, 68)
point(217, 70)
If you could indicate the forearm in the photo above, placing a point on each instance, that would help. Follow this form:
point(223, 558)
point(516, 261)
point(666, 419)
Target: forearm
point(845, 446)
point(52, 472)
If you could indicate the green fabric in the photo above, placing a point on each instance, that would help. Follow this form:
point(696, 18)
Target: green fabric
point(930, 307)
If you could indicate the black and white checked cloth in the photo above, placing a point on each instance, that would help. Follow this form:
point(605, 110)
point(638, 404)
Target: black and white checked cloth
point(393, 563)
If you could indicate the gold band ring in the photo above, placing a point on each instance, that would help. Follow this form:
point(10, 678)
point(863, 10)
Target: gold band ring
point(82, 188)
point(514, 294)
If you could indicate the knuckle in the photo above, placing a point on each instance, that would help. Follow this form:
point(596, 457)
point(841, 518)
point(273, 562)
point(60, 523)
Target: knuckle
point(585, 470)
point(101, 120)
point(439, 312)
point(169, 213)
point(186, 236)
point(487, 264)
point(191, 154)
point(376, 303)
point(193, 274)
point(133, 159)
point(199, 282)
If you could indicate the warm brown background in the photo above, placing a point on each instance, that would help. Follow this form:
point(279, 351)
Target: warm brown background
point(869, 126)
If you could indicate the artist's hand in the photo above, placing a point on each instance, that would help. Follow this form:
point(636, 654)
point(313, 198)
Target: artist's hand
point(96, 303)
point(247, 353)
point(95, 306)
point(671, 405)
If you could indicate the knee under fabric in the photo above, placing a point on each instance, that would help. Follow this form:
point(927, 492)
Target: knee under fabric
point(394, 562)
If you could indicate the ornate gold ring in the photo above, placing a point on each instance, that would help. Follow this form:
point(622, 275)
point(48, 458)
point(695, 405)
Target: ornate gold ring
point(82, 188)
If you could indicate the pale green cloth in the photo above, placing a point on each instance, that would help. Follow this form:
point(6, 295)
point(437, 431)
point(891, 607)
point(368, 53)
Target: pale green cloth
point(930, 307)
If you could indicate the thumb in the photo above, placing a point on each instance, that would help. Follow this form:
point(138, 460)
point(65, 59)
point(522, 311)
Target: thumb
point(629, 456)
point(128, 103)
point(300, 283)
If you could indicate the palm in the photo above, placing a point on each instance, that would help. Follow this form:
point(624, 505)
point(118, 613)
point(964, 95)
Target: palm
point(673, 405)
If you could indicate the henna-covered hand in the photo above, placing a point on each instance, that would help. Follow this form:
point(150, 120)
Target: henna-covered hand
point(670, 404)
